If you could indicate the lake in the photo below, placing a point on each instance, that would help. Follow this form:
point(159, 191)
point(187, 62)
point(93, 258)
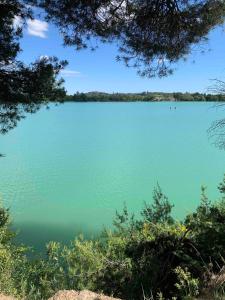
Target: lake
point(68, 169)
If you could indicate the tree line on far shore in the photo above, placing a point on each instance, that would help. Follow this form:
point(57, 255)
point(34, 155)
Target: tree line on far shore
point(144, 96)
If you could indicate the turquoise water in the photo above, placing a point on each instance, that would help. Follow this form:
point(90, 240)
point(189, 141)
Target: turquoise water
point(68, 169)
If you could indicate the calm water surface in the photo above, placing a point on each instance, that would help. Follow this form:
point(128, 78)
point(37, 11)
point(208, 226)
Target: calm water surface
point(68, 169)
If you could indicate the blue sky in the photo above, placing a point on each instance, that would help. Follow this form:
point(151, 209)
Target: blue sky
point(99, 71)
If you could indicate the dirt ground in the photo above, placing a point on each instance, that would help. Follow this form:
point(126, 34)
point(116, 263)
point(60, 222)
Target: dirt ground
point(84, 295)
point(70, 295)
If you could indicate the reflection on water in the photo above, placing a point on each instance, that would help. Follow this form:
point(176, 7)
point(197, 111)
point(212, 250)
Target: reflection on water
point(38, 235)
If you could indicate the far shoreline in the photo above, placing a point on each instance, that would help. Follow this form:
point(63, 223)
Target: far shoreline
point(143, 97)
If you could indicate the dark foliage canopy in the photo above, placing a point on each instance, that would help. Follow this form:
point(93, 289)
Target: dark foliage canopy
point(22, 88)
point(151, 36)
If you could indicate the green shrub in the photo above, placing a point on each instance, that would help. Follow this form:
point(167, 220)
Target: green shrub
point(153, 257)
point(12, 259)
point(187, 286)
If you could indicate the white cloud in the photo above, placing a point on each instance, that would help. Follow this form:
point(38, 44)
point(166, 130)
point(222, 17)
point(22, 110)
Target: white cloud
point(104, 13)
point(17, 22)
point(70, 73)
point(37, 28)
point(162, 60)
point(43, 57)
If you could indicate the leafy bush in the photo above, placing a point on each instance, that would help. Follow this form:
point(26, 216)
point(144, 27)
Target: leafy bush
point(12, 259)
point(153, 257)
